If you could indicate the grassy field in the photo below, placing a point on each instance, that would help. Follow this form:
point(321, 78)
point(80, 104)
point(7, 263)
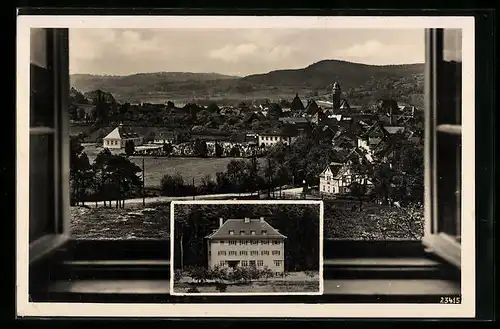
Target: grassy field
point(268, 286)
point(189, 168)
point(133, 222)
point(374, 222)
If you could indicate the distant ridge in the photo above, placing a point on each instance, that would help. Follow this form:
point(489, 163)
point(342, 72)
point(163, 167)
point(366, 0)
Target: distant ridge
point(315, 78)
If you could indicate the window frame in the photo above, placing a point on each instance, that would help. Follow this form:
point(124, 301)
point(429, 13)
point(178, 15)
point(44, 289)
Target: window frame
point(135, 249)
point(436, 241)
point(58, 56)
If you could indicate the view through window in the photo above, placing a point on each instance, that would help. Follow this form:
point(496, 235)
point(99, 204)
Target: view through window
point(158, 115)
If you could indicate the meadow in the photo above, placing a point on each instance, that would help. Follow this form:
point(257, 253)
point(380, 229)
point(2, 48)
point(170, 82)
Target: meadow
point(190, 168)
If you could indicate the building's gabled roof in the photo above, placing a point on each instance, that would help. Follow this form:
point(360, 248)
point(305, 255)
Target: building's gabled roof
point(393, 129)
point(335, 168)
point(239, 225)
point(294, 120)
point(122, 133)
point(312, 108)
point(297, 104)
point(344, 105)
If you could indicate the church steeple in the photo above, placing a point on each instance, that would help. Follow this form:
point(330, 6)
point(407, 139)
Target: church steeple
point(336, 95)
point(297, 104)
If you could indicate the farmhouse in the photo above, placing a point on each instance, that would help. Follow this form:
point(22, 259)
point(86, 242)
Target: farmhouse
point(117, 138)
point(247, 242)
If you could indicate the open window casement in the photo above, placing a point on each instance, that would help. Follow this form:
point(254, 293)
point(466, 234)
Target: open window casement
point(48, 151)
point(443, 142)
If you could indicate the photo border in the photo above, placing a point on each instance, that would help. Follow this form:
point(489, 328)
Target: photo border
point(243, 202)
point(464, 310)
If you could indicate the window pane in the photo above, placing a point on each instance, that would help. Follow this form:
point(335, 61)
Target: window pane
point(449, 183)
point(41, 202)
point(450, 79)
point(41, 80)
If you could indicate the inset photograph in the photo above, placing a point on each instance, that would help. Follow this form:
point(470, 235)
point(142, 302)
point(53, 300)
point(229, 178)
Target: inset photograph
point(247, 248)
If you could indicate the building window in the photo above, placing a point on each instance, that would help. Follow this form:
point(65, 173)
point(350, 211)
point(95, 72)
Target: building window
point(276, 252)
point(260, 263)
point(264, 252)
point(252, 232)
point(263, 232)
point(251, 263)
point(232, 253)
point(278, 262)
point(243, 252)
point(443, 142)
point(264, 242)
point(244, 263)
point(254, 253)
point(231, 232)
point(221, 253)
point(276, 242)
point(232, 242)
point(222, 263)
point(255, 242)
point(242, 232)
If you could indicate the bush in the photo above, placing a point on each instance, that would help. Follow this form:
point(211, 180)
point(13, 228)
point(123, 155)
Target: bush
point(177, 275)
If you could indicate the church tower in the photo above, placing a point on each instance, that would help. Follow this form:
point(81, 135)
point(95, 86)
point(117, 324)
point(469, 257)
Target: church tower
point(336, 95)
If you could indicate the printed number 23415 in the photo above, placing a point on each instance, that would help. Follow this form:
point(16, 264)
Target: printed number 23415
point(450, 300)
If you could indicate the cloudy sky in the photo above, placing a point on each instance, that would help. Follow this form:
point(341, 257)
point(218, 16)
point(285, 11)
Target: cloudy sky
point(236, 51)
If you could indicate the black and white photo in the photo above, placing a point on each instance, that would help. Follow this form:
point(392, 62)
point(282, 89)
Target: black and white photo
point(186, 162)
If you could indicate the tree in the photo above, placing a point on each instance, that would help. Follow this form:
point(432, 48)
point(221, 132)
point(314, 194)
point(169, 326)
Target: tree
point(117, 177)
point(167, 148)
point(275, 111)
point(213, 108)
point(172, 185)
point(129, 147)
point(235, 151)
point(200, 148)
point(383, 180)
point(236, 173)
point(208, 186)
point(73, 112)
point(218, 150)
point(182, 137)
point(358, 190)
point(222, 181)
point(81, 173)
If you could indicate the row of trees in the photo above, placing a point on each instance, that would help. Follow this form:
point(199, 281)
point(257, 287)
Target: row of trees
point(241, 176)
point(220, 274)
point(109, 178)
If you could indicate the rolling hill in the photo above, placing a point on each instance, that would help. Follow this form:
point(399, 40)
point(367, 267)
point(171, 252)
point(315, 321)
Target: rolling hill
point(359, 82)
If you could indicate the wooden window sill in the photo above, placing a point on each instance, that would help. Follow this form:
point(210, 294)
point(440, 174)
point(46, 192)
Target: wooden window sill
point(331, 287)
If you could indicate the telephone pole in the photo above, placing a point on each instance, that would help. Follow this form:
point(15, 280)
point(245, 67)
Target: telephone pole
point(143, 187)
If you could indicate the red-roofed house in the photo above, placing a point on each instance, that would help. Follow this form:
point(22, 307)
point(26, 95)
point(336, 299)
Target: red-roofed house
point(247, 242)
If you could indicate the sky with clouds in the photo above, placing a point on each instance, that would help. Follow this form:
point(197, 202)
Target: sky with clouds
point(236, 51)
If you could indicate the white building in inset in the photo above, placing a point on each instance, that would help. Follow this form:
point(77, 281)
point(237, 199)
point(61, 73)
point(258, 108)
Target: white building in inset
point(247, 242)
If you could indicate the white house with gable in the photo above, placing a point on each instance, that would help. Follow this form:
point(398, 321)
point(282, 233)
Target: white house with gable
point(119, 136)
